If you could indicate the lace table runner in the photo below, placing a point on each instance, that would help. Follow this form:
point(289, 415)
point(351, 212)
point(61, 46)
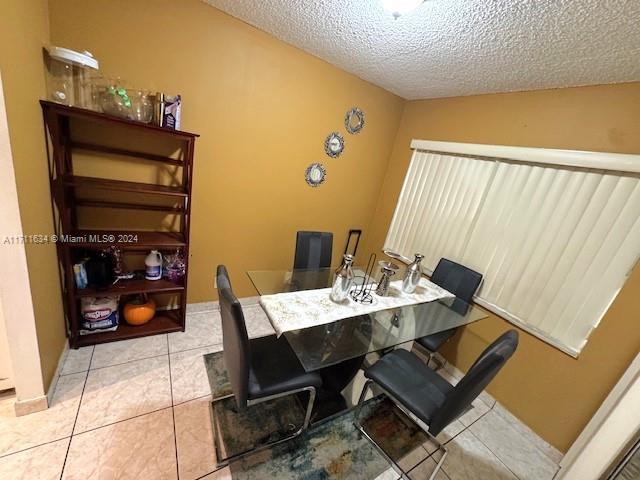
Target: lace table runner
point(309, 308)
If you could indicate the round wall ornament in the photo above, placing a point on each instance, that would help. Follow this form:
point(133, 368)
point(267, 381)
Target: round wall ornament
point(354, 120)
point(315, 175)
point(334, 144)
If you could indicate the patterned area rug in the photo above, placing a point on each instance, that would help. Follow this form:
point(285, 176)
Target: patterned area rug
point(332, 449)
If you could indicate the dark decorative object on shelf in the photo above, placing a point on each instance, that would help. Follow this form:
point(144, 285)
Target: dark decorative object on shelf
point(69, 193)
point(354, 120)
point(315, 174)
point(334, 144)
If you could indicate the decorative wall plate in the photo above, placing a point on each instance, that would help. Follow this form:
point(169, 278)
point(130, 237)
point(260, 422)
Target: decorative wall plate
point(315, 174)
point(334, 144)
point(354, 120)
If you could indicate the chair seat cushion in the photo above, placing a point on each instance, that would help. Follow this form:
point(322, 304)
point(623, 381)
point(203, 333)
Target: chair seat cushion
point(275, 369)
point(403, 375)
point(435, 341)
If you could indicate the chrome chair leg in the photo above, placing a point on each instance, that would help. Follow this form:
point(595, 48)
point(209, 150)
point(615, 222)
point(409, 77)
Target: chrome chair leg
point(358, 425)
point(223, 461)
point(394, 465)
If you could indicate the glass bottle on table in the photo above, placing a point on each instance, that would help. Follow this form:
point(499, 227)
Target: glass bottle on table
point(343, 280)
point(412, 275)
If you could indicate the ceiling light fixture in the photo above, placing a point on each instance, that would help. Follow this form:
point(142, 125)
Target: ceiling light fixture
point(400, 7)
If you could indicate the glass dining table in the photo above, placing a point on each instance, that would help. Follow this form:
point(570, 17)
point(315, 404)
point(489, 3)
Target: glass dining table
point(334, 343)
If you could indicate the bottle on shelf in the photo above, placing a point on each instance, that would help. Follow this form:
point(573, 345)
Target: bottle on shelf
point(153, 265)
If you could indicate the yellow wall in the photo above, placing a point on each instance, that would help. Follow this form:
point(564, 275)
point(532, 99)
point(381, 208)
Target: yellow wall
point(263, 109)
point(553, 393)
point(24, 29)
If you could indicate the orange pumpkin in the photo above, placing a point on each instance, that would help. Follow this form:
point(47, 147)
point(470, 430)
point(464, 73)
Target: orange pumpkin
point(139, 312)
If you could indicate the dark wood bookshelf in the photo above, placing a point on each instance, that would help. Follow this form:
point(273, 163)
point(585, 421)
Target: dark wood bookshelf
point(65, 186)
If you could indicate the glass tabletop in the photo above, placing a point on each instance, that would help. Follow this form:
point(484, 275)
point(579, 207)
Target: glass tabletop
point(328, 344)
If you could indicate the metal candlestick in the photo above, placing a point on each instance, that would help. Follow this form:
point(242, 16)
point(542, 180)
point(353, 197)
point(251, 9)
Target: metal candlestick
point(388, 270)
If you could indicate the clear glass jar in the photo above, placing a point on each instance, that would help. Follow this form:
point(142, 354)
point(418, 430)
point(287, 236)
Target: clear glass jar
point(116, 101)
point(343, 280)
point(142, 107)
point(69, 76)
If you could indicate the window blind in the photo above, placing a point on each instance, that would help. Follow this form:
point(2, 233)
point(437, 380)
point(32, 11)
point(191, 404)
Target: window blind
point(554, 242)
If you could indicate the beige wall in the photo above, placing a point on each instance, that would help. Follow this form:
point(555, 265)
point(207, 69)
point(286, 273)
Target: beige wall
point(24, 29)
point(263, 109)
point(553, 393)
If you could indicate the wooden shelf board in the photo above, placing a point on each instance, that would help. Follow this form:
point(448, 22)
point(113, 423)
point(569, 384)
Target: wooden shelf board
point(122, 186)
point(139, 239)
point(131, 287)
point(75, 112)
point(90, 147)
point(164, 322)
point(128, 206)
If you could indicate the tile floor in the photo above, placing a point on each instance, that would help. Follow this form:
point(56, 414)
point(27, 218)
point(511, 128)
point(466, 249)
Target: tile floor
point(139, 409)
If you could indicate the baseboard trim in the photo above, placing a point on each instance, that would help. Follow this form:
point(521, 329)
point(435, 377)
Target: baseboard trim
point(31, 405)
point(56, 375)
point(215, 306)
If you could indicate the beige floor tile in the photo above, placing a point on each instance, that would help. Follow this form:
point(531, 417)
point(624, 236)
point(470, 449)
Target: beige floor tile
point(203, 329)
point(124, 391)
point(77, 360)
point(222, 474)
point(139, 448)
point(39, 463)
point(188, 374)
point(194, 439)
point(108, 354)
point(452, 430)
point(54, 423)
point(550, 451)
point(477, 411)
point(512, 448)
point(389, 474)
point(424, 471)
point(413, 458)
point(468, 458)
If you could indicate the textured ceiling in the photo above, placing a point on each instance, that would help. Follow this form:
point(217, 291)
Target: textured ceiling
point(461, 47)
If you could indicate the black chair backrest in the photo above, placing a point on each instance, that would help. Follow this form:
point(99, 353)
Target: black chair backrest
point(235, 341)
point(458, 279)
point(313, 250)
point(484, 369)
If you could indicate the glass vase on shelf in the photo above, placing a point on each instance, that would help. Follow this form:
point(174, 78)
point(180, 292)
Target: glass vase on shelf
point(343, 280)
point(142, 107)
point(412, 275)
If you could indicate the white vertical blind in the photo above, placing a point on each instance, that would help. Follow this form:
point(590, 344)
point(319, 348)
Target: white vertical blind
point(555, 244)
point(439, 201)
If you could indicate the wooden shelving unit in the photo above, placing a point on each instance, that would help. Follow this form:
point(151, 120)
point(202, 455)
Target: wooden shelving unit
point(73, 238)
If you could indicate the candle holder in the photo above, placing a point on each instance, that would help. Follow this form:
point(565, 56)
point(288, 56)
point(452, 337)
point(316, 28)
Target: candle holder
point(388, 270)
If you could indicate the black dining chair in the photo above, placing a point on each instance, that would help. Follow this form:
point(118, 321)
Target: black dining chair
point(420, 392)
point(259, 369)
point(313, 250)
point(463, 283)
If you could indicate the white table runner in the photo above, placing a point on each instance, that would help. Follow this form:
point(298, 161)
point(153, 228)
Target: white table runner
point(309, 308)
